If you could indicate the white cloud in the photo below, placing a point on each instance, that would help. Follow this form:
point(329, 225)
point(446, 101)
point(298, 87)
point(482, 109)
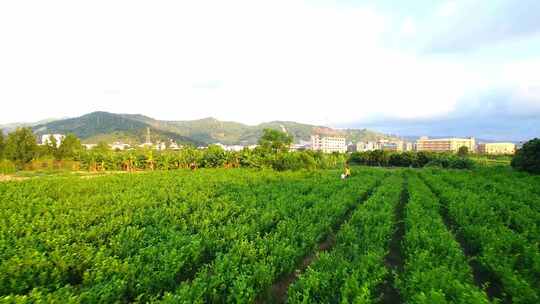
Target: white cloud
point(408, 27)
point(249, 61)
point(447, 9)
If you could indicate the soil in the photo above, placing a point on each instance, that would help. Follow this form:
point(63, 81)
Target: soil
point(394, 260)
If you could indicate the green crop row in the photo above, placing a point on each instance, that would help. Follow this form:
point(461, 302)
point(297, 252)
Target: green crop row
point(518, 185)
point(251, 266)
point(517, 212)
point(508, 256)
point(130, 238)
point(435, 270)
point(127, 238)
point(352, 271)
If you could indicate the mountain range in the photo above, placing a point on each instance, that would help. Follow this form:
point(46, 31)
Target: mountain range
point(132, 128)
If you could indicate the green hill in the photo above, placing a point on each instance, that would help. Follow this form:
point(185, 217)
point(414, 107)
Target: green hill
point(131, 128)
point(109, 127)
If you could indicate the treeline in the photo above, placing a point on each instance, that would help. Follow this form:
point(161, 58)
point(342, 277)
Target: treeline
point(20, 151)
point(411, 159)
point(211, 157)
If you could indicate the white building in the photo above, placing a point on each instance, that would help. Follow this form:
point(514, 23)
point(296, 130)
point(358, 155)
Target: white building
point(89, 146)
point(119, 146)
point(46, 138)
point(160, 146)
point(146, 145)
point(328, 143)
point(299, 147)
point(363, 146)
point(408, 146)
point(497, 148)
point(445, 144)
point(174, 146)
point(234, 148)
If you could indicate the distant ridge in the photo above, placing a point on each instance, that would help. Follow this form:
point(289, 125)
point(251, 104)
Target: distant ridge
point(131, 128)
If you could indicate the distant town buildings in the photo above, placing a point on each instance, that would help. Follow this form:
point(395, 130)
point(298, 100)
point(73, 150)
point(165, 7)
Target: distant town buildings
point(395, 146)
point(235, 148)
point(445, 144)
point(408, 146)
point(174, 146)
point(146, 145)
point(89, 146)
point(497, 148)
point(302, 145)
point(160, 146)
point(47, 138)
point(328, 143)
point(362, 146)
point(119, 146)
point(385, 145)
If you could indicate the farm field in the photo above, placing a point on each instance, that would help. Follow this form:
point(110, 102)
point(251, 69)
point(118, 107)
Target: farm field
point(260, 236)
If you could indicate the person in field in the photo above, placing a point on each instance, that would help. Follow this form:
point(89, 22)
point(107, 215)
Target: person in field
point(347, 172)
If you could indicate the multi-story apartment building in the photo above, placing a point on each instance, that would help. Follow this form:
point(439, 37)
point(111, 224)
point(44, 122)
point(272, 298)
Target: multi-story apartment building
point(328, 143)
point(445, 144)
point(396, 146)
point(384, 144)
point(408, 146)
point(363, 146)
point(497, 148)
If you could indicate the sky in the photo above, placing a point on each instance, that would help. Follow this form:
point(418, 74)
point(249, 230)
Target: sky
point(463, 67)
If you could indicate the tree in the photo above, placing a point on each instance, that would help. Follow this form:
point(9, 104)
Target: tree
point(463, 151)
point(69, 147)
point(21, 146)
point(275, 141)
point(214, 157)
point(528, 157)
point(51, 146)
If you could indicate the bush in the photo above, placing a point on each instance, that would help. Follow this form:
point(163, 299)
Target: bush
point(460, 163)
point(422, 158)
point(528, 157)
point(405, 159)
point(435, 163)
point(293, 161)
point(214, 157)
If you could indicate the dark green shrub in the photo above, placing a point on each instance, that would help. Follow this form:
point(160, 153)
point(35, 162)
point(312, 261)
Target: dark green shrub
point(460, 163)
point(528, 157)
point(422, 158)
point(435, 163)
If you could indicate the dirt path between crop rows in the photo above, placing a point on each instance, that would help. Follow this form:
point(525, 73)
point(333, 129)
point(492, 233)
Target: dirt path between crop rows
point(395, 260)
point(278, 291)
point(484, 279)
